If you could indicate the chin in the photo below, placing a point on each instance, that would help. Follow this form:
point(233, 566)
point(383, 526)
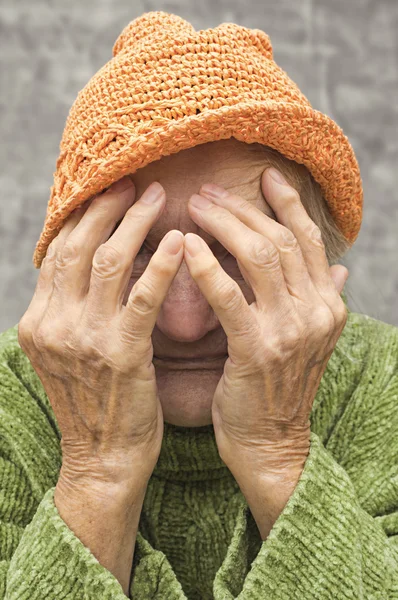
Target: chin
point(187, 397)
point(186, 418)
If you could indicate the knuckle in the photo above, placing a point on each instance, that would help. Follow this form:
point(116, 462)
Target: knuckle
point(323, 320)
point(107, 261)
point(86, 345)
point(143, 297)
point(288, 239)
point(46, 268)
point(341, 313)
point(84, 338)
point(229, 296)
point(48, 338)
point(25, 329)
point(47, 262)
point(263, 255)
point(87, 342)
point(314, 233)
point(292, 336)
point(69, 253)
point(281, 347)
point(245, 207)
point(39, 337)
point(51, 252)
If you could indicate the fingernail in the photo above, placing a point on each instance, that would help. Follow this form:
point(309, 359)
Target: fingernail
point(153, 193)
point(277, 176)
point(172, 241)
point(194, 244)
point(120, 186)
point(200, 202)
point(213, 190)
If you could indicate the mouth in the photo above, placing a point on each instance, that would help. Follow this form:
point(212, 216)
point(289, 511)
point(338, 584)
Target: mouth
point(178, 364)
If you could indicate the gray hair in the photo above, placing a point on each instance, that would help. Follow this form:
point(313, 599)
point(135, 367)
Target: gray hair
point(299, 177)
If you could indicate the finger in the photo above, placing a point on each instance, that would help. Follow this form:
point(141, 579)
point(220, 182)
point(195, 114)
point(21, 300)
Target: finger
point(74, 259)
point(289, 210)
point(149, 291)
point(294, 268)
point(339, 274)
point(45, 281)
point(254, 252)
point(113, 262)
point(224, 296)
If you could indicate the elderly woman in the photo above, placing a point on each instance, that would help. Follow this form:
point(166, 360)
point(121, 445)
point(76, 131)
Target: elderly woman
point(189, 410)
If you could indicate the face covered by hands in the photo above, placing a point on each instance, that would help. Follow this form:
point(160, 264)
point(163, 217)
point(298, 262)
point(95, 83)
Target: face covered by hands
point(279, 345)
point(189, 343)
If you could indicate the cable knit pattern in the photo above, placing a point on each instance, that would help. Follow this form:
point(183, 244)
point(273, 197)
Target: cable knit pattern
point(336, 539)
point(168, 88)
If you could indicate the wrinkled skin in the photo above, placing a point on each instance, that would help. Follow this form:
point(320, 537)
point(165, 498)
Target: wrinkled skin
point(187, 326)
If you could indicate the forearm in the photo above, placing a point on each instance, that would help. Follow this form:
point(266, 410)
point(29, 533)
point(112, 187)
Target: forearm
point(267, 477)
point(105, 519)
point(266, 497)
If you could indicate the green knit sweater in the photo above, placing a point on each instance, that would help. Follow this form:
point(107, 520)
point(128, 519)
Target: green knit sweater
point(337, 537)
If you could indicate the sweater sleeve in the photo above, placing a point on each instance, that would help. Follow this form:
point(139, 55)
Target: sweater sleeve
point(40, 557)
point(337, 537)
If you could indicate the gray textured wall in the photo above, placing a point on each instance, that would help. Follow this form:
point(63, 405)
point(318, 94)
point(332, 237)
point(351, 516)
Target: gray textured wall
point(342, 54)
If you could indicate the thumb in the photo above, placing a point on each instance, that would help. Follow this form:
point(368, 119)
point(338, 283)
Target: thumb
point(339, 274)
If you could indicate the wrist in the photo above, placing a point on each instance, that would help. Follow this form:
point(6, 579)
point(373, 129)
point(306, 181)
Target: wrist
point(72, 497)
point(267, 493)
point(118, 483)
point(276, 462)
point(105, 518)
point(119, 469)
point(72, 485)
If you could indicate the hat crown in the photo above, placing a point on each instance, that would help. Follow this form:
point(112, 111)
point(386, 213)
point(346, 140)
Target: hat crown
point(169, 87)
point(157, 26)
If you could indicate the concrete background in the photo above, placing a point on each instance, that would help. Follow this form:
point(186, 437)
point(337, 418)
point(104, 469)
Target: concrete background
point(342, 54)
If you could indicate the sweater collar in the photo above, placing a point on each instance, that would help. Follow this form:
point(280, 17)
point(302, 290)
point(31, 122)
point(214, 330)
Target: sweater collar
point(189, 453)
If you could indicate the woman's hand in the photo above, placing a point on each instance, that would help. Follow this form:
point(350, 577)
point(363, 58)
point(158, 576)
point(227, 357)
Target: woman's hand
point(278, 346)
point(92, 353)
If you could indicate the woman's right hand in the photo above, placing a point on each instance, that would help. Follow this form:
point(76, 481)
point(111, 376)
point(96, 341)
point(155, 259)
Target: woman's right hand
point(92, 354)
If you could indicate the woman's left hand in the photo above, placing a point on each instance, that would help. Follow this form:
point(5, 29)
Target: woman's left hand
point(279, 345)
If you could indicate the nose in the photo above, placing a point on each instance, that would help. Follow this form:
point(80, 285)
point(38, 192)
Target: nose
point(186, 315)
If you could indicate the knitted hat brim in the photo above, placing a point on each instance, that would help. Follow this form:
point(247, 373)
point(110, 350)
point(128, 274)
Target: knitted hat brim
point(321, 146)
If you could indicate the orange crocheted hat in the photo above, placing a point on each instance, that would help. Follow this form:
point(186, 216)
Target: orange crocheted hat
point(169, 87)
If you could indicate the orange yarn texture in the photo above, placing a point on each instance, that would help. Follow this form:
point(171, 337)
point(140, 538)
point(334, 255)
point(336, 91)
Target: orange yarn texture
point(169, 87)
